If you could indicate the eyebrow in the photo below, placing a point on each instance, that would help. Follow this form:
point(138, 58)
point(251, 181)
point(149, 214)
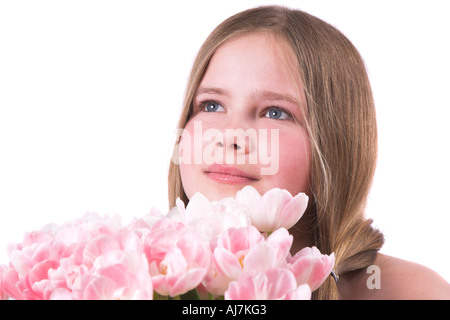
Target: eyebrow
point(261, 94)
point(270, 95)
point(212, 90)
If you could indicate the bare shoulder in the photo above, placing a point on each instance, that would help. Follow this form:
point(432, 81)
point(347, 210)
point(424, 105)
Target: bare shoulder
point(403, 279)
point(392, 278)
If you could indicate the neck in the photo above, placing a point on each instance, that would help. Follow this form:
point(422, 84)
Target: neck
point(303, 234)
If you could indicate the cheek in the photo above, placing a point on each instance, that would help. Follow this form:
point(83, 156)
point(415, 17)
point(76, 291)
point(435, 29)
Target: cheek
point(187, 146)
point(186, 159)
point(187, 178)
point(294, 165)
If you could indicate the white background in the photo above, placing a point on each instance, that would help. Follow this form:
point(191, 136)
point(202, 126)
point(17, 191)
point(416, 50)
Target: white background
point(90, 93)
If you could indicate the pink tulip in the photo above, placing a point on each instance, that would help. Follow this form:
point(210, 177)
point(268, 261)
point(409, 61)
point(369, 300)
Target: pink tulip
point(124, 246)
point(65, 281)
point(142, 226)
point(214, 281)
point(30, 266)
point(3, 295)
point(311, 267)
point(270, 254)
point(273, 284)
point(178, 260)
point(275, 209)
point(207, 245)
point(117, 275)
point(11, 284)
point(245, 250)
point(107, 267)
point(41, 251)
point(227, 262)
point(55, 262)
point(89, 226)
point(233, 248)
point(210, 219)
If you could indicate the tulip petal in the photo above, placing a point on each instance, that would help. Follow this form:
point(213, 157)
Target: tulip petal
point(293, 211)
point(282, 281)
point(261, 258)
point(188, 281)
point(227, 263)
point(303, 292)
point(281, 241)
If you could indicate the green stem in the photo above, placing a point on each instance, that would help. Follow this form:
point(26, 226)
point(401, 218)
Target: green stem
point(190, 295)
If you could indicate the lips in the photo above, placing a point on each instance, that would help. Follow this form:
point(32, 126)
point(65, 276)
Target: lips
point(227, 174)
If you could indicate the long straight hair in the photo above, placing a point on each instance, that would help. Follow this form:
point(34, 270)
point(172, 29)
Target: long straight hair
point(340, 121)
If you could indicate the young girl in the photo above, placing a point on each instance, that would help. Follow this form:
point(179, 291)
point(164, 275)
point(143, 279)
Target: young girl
point(298, 80)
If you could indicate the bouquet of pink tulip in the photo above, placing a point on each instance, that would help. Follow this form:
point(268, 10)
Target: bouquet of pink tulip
point(237, 248)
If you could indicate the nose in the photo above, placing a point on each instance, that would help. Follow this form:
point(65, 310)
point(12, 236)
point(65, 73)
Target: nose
point(237, 140)
point(236, 145)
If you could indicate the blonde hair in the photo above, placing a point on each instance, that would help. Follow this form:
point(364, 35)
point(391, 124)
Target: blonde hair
point(340, 121)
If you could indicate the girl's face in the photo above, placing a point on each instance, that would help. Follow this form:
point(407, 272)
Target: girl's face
point(246, 127)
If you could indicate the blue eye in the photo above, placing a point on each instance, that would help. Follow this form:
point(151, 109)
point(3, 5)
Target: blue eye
point(212, 107)
point(276, 113)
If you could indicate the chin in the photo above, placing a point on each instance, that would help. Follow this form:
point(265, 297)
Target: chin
point(214, 194)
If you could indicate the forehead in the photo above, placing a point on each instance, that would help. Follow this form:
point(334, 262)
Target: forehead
point(256, 61)
point(252, 51)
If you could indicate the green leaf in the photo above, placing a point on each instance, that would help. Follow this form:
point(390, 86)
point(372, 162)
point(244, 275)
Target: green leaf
point(190, 295)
